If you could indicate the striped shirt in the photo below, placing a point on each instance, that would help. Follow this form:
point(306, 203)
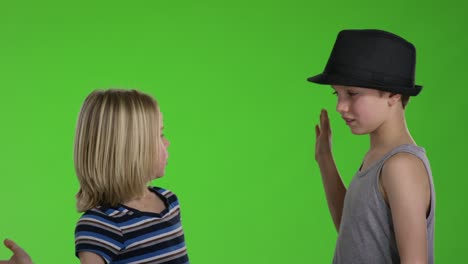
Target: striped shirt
point(125, 235)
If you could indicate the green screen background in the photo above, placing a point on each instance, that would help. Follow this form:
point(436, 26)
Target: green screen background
point(231, 81)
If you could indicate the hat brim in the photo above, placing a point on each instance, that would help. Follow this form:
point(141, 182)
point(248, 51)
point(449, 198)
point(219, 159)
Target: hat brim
point(339, 80)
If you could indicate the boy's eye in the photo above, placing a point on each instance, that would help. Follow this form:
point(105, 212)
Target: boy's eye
point(349, 93)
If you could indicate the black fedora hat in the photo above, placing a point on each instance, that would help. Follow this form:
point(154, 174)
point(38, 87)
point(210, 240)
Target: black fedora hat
point(371, 58)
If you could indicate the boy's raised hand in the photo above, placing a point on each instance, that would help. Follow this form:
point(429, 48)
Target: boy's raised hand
point(323, 137)
point(19, 255)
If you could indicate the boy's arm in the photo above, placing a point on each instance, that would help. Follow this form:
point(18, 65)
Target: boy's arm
point(406, 184)
point(334, 188)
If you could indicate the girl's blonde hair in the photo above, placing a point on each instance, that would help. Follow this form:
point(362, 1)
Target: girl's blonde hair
point(116, 147)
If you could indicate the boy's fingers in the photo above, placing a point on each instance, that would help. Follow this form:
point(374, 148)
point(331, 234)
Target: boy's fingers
point(327, 123)
point(317, 131)
point(325, 116)
point(320, 119)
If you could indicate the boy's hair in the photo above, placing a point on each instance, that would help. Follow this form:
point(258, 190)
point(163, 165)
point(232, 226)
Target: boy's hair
point(404, 100)
point(116, 147)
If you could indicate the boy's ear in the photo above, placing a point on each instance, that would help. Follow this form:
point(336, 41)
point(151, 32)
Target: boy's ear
point(393, 98)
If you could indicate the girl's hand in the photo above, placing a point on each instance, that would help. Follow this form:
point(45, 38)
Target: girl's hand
point(323, 137)
point(19, 255)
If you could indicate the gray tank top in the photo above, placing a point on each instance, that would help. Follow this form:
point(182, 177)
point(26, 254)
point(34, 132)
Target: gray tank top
point(366, 231)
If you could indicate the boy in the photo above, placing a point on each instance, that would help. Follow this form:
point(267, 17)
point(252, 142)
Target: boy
point(387, 213)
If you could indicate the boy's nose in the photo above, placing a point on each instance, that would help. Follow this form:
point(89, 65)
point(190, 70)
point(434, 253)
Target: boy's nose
point(342, 107)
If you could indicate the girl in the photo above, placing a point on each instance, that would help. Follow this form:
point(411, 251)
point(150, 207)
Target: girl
point(119, 149)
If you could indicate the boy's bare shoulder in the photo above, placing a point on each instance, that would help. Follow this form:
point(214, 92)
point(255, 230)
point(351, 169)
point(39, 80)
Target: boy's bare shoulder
point(404, 161)
point(404, 169)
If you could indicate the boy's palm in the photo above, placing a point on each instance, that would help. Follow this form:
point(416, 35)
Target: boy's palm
point(323, 136)
point(19, 255)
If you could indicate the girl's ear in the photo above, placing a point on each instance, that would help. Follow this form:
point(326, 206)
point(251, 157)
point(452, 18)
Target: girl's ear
point(393, 98)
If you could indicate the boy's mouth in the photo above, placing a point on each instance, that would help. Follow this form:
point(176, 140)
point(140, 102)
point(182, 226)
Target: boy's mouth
point(348, 120)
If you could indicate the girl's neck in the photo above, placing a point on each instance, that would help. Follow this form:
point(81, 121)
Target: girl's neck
point(146, 193)
point(148, 202)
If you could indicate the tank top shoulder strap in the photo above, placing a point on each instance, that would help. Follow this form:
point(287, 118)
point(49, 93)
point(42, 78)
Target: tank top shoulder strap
point(418, 151)
point(413, 149)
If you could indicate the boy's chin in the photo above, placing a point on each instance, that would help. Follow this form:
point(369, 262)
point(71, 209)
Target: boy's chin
point(359, 132)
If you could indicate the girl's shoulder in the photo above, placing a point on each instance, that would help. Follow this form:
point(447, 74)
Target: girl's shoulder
point(164, 192)
point(120, 213)
point(106, 215)
point(168, 196)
